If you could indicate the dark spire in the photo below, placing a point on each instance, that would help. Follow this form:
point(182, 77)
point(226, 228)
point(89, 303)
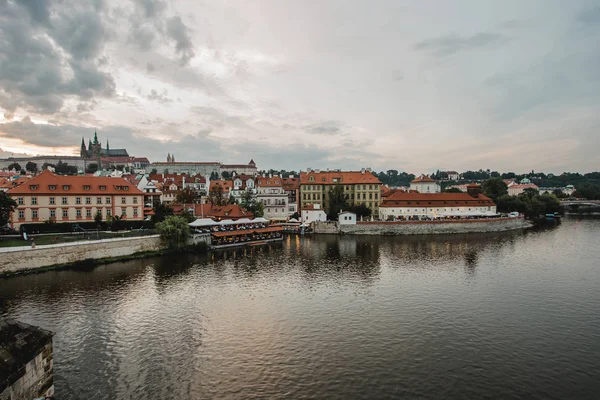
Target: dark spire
point(95, 137)
point(90, 144)
point(107, 146)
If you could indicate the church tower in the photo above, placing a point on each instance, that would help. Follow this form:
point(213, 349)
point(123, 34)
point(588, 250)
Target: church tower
point(82, 151)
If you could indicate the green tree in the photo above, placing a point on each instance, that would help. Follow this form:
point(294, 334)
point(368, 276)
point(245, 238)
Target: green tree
point(15, 166)
point(98, 219)
point(216, 196)
point(188, 216)
point(65, 169)
point(226, 175)
point(361, 210)
point(589, 191)
point(187, 196)
point(116, 223)
point(31, 167)
point(161, 211)
point(174, 231)
point(336, 202)
point(250, 203)
point(214, 176)
point(46, 165)
point(296, 215)
point(153, 171)
point(91, 168)
point(7, 206)
point(494, 188)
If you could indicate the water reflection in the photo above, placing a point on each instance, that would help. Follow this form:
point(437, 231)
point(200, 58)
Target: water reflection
point(496, 315)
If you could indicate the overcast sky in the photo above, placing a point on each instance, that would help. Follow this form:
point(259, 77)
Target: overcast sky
point(411, 85)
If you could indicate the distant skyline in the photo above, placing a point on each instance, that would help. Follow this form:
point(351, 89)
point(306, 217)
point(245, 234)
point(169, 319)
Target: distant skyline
point(406, 85)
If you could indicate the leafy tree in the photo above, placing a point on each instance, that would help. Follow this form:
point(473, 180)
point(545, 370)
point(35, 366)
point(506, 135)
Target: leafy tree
point(296, 215)
point(530, 193)
point(46, 165)
point(7, 206)
point(337, 202)
point(509, 175)
point(187, 196)
point(495, 174)
point(214, 176)
point(250, 203)
point(166, 171)
point(65, 169)
point(15, 166)
point(361, 210)
point(174, 231)
point(153, 171)
point(116, 223)
point(452, 190)
point(98, 218)
point(588, 191)
point(216, 196)
point(31, 167)
point(161, 211)
point(91, 168)
point(494, 188)
point(226, 175)
point(188, 216)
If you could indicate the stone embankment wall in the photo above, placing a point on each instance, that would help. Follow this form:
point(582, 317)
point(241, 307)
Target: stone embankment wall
point(423, 227)
point(68, 253)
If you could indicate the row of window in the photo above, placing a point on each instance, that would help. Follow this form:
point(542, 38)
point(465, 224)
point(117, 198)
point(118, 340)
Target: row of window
point(346, 187)
point(65, 200)
point(317, 196)
point(78, 213)
point(85, 187)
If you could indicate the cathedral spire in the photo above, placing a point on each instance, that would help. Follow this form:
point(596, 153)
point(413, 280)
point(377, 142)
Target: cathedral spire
point(95, 137)
point(107, 146)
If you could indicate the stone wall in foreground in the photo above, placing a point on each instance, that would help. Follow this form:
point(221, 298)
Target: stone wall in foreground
point(44, 256)
point(434, 227)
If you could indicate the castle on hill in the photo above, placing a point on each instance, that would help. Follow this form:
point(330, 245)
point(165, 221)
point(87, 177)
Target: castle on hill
point(94, 150)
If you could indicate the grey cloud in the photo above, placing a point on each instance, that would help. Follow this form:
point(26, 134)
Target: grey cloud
point(180, 34)
point(162, 98)
point(451, 44)
point(590, 16)
point(324, 128)
point(32, 69)
point(151, 8)
point(150, 67)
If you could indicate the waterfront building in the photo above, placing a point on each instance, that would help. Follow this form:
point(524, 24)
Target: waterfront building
point(242, 184)
point(347, 218)
point(312, 213)
point(239, 169)
point(425, 184)
point(411, 205)
point(74, 199)
point(358, 187)
point(515, 189)
point(272, 195)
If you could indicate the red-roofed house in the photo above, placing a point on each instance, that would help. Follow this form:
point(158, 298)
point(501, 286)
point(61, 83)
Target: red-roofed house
point(271, 194)
point(410, 204)
point(425, 184)
point(74, 199)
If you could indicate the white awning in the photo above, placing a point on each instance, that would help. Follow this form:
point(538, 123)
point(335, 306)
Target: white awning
point(260, 219)
point(200, 222)
point(293, 220)
point(244, 221)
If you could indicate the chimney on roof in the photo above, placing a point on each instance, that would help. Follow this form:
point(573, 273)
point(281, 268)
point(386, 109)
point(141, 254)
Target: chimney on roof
point(473, 190)
point(362, 171)
point(317, 171)
point(369, 169)
point(308, 170)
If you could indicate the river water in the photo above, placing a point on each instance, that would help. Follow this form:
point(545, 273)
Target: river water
point(511, 315)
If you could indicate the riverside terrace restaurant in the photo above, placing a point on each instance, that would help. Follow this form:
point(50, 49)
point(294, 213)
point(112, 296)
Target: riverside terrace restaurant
point(243, 230)
point(447, 215)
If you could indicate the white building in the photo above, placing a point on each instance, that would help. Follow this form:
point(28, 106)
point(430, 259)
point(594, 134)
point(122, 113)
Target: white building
point(515, 189)
point(347, 218)
point(247, 169)
point(312, 213)
point(567, 190)
point(272, 195)
point(452, 175)
point(405, 205)
point(424, 184)
point(242, 184)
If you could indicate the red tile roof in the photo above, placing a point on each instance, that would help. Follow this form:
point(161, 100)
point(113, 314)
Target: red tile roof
point(225, 184)
point(335, 177)
point(269, 182)
point(231, 211)
point(291, 183)
point(423, 178)
point(412, 199)
point(76, 184)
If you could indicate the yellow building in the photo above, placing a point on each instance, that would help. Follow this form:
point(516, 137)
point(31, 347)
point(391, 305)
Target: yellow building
point(358, 187)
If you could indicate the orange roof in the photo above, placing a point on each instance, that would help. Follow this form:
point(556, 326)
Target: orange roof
point(291, 183)
point(269, 182)
point(341, 177)
point(231, 211)
point(412, 199)
point(423, 178)
point(524, 186)
point(311, 207)
point(49, 183)
point(225, 184)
